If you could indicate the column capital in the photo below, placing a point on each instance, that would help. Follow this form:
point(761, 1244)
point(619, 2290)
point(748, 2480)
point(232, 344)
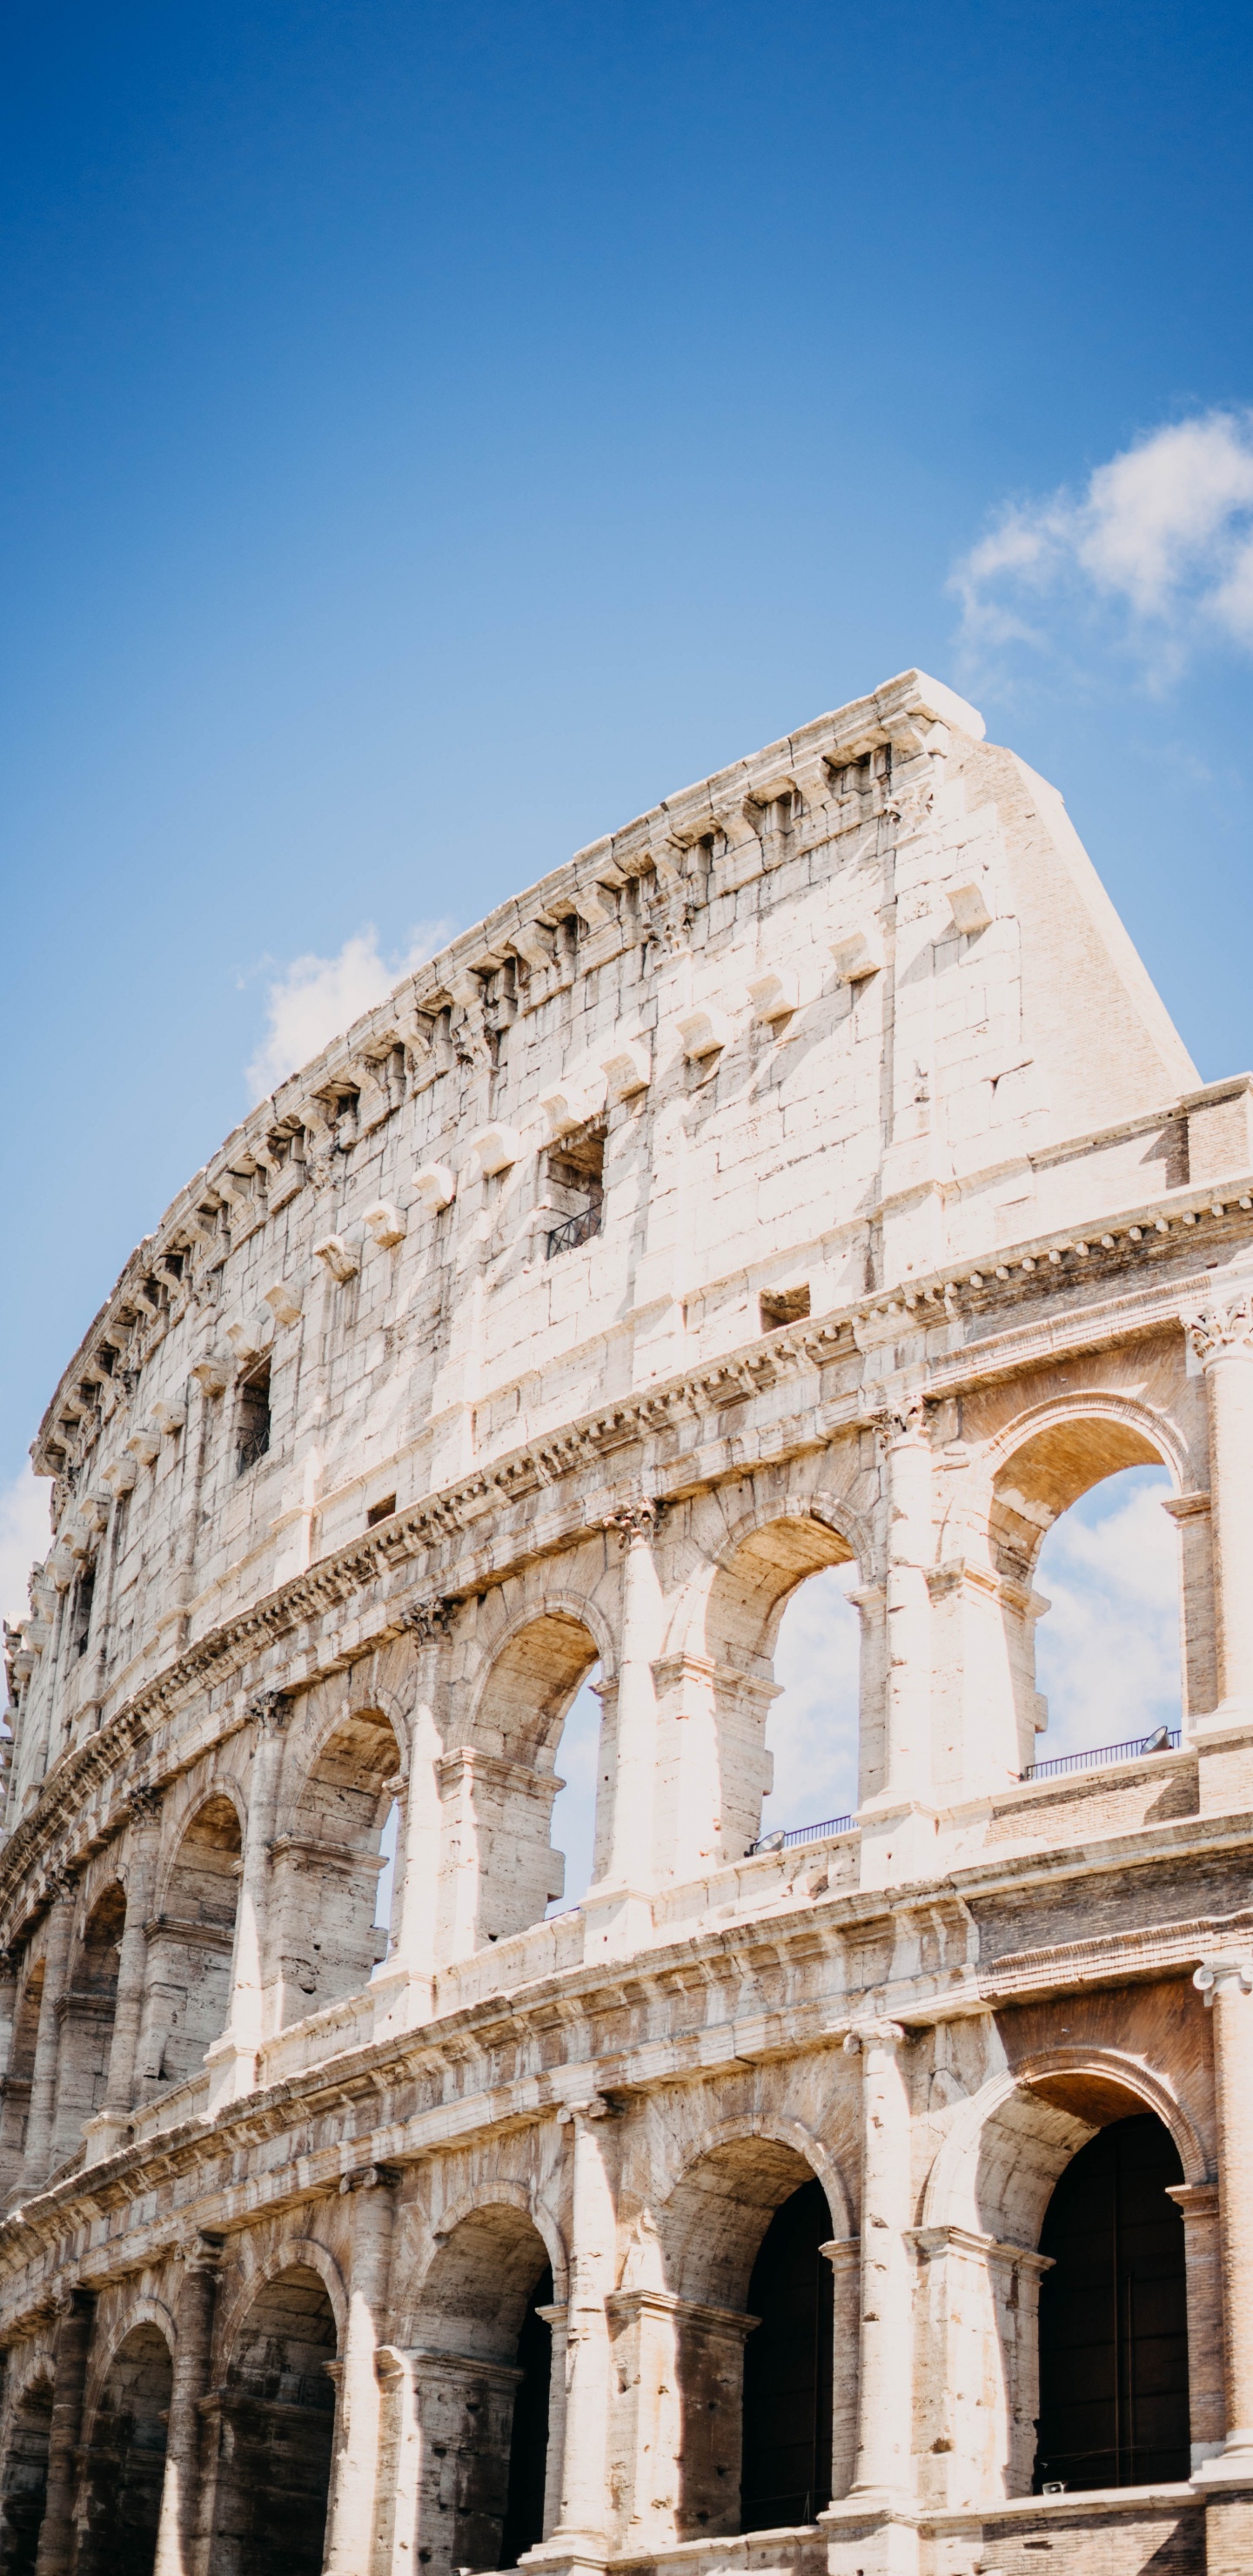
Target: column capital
point(431, 1621)
point(866, 2035)
point(1223, 1330)
point(370, 2178)
point(144, 1807)
point(597, 2107)
point(269, 1709)
point(903, 1418)
point(1227, 1972)
point(638, 1519)
point(204, 2254)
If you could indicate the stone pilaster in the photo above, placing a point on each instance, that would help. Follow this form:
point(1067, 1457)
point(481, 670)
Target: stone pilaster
point(232, 2060)
point(885, 2373)
point(898, 1823)
point(43, 2089)
point(354, 2471)
point(55, 2556)
point(1227, 1985)
point(1221, 1337)
point(579, 2536)
point(617, 1912)
point(112, 2121)
point(180, 2492)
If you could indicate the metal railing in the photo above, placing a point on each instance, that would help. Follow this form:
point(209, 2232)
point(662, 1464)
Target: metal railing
point(780, 1841)
point(1164, 1739)
point(577, 1229)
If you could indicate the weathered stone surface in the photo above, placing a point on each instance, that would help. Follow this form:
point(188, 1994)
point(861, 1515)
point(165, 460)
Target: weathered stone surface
point(807, 1174)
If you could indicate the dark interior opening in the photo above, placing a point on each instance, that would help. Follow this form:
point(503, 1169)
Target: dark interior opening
point(786, 2471)
point(1113, 2316)
point(25, 2481)
point(528, 2448)
point(380, 1511)
point(784, 1306)
point(254, 1419)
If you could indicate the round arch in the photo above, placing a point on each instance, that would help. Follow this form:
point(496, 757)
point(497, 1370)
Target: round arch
point(142, 2311)
point(505, 2192)
point(1042, 1461)
point(711, 2222)
point(997, 2168)
point(296, 2253)
point(535, 1666)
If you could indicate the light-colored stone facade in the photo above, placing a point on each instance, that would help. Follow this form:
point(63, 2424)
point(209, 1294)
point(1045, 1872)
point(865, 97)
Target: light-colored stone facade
point(807, 1173)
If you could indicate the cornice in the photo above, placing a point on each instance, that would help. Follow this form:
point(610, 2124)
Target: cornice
point(408, 1542)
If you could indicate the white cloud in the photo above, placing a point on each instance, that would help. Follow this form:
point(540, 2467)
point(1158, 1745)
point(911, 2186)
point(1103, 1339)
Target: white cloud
point(1107, 1653)
point(812, 1727)
point(310, 1001)
point(25, 1534)
point(1162, 535)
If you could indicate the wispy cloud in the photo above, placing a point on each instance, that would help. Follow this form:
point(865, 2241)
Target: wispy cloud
point(25, 1534)
point(311, 1000)
point(1107, 1652)
point(1161, 540)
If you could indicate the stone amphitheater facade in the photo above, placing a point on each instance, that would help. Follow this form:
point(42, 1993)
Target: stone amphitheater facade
point(806, 1174)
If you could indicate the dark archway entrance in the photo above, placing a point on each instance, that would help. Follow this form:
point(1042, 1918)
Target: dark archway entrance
point(786, 2474)
point(276, 2427)
point(25, 2480)
point(1113, 2316)
point(125, 2465)
point(528, 2446)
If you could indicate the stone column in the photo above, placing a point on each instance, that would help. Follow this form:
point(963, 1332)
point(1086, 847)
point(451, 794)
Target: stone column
point(580, 2529)
point(1227, 1985)
point(1202, 2255)
point(180, 2492)
point(1222, 1339)
point(618, 1912)
point(419, 1857)
point(898, 1830)
point(55, 2555)
point(43, 2087)
point(354, 2470)
point(885, 2372)
point(843, 2253)
point(107, 2130)
point(232, 2060)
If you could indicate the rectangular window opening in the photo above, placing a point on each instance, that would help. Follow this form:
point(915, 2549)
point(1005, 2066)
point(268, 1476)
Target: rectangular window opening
point(575, 1187)
point(253, 1427)
point(83, 1592)
point(380, 1511)
point(784, 1306)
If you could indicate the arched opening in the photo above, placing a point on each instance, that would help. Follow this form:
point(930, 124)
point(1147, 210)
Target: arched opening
point(87, 2030)
point(813, 1729)
point(578, 1799)
point(1080, 1543)
point(327, 1868)
point(501, 1871)
point(747, 1602)
point(24, 2491)
point(482, 2388)
point(1107, 1650)
point(750, 2430)
point(275, 2433)
point(786, 2472)
point(1113, 2316)
point(120, 2502)
point(17, 2081)
point(188, 1984)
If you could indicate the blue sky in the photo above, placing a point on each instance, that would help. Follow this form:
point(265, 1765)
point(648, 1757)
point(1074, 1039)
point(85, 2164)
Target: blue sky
point(431, 435)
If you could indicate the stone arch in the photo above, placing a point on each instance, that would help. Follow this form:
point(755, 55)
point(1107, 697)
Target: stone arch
point(275, 2416)
point(258, 2270)
point(722, 1638)
point(503, 2192)
point(187, 1983)
point(119, 2503)
point(984, 2207)
point(481, 2379)
point(710, 2237)
point(326, 1859)
point(1051, 1455)
point(90, 2007)
point(1034, 1468)
point(1007, 2145)
point(498, 1786)
point(24, 2476)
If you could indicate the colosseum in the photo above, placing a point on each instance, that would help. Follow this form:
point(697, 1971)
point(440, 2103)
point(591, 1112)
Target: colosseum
point(805, 1175)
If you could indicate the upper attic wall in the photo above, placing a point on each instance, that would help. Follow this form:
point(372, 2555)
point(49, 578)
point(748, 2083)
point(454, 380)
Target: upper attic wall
point(1092, 1020)
point(963, 1050)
